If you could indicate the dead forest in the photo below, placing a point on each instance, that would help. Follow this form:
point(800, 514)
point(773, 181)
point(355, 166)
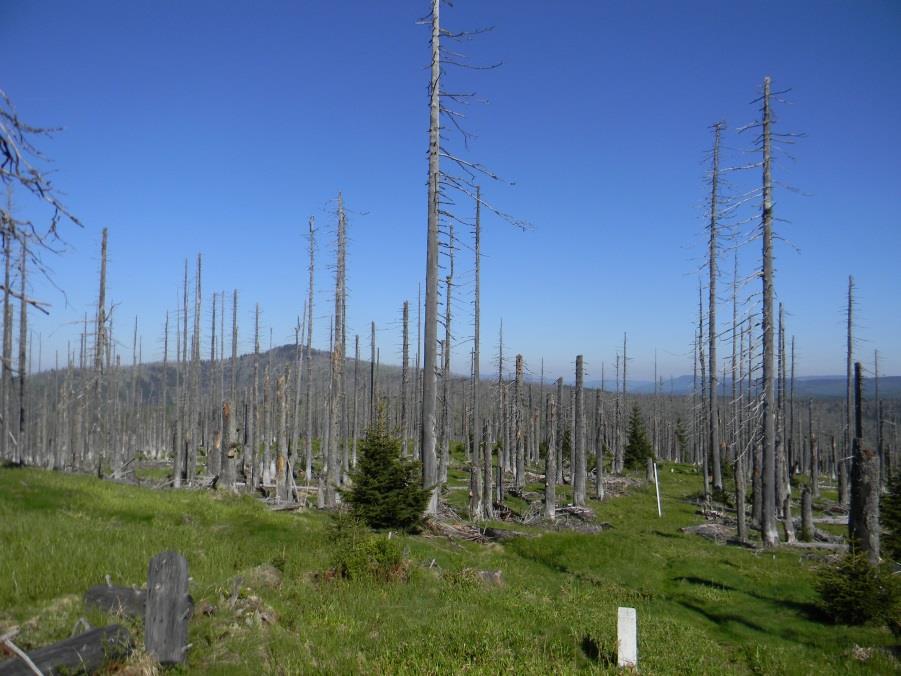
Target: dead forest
point(284, 422)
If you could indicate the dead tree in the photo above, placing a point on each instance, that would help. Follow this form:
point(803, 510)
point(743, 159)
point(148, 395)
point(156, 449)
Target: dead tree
point(770, 535)
point(445, 429)
point(863, 518)
point(7, 365)
point(355, 431)
point(308, 361)
point(336, 399)
point(713, 228)
point(430, 365)
point(519, 469)
point(843, 466)
point(282, 477)
point(550, 461)
point(481, 446)
point(22, 445)
point(579, 437)
point(404, 379)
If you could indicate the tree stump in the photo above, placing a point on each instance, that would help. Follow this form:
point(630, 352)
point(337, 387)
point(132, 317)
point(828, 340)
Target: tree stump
point(168, 608)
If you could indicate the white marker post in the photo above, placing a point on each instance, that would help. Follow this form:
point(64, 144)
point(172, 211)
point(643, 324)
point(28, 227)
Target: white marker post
point(657, 488)
point(626, 638)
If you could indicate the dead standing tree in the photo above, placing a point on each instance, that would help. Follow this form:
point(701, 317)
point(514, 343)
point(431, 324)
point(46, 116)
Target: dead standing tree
point(20, 161)
point(713, 231)
point(336, 398)
point(440, 183)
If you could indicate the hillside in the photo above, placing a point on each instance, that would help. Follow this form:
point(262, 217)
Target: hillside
point(702, 607)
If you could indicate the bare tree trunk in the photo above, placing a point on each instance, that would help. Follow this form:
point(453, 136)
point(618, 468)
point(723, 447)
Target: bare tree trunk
point(814, 453)
point(164, 385)
point(735, 436)
point(843, 467)
point(807, 527)
point(781, 474)
point(768, 527)
point(429, 384)
point(880, 448)
point(8, 235)
point(550, 461)
point(518, 446)
point(234, 365)
point(99, 348)
point(194, 416)
point(712, 413)
point(705, 398)
point(740, 509)
point(253, 432)
point(560, 432)
point(579, 437)
point(22, 447)
point(373, 403)
point(282, 479)
point(228, 455)
point(599, 448)
point(863, 518)
point(445, 431)
point(336, 400)
point(404, 380)
point(308, 395)
point(356, 431)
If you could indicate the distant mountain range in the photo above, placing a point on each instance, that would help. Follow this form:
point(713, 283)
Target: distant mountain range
point(805, 387)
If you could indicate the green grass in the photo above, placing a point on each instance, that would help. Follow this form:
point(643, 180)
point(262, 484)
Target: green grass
point(702, 607)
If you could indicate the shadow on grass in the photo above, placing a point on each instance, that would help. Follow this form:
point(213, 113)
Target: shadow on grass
point(721, 619)
point(596, 652)
point(809, 611)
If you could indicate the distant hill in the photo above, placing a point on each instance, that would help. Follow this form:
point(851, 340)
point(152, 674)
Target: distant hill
point(805, 387)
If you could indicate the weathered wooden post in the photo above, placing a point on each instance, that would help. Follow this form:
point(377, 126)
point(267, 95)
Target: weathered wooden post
point(168, 608)
point(626, 638)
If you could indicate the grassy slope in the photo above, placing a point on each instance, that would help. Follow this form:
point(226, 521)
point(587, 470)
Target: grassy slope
point(702, 607)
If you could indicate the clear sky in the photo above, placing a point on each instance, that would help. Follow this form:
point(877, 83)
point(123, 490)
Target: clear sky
point(220, 127)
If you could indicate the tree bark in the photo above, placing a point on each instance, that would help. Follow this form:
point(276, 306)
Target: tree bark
point(579, 437)
point(770, 536)
point(429, 384)
point(550, 461)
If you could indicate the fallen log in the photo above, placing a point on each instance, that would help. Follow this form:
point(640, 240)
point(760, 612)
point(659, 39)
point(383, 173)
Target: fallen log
point(84, 654)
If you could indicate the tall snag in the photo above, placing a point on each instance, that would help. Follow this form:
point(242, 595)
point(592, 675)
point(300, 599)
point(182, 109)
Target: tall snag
point(579, 437)
point(336, 398)
point(713, 229)
point(770, 534)
point(429, 381)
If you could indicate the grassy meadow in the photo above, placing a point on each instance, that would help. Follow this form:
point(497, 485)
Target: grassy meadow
point(264, 605)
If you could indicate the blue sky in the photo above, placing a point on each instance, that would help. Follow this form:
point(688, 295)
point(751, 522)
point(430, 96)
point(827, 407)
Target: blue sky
point(220, 127)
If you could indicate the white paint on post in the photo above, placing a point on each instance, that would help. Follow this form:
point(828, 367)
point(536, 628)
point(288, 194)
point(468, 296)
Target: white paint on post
point(626, 638)
point(657, 488)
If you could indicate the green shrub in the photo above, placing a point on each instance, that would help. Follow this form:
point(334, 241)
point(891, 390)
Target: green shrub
point(890, 518)
point(386, 491)
point(853, 591)
point(360, 554)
